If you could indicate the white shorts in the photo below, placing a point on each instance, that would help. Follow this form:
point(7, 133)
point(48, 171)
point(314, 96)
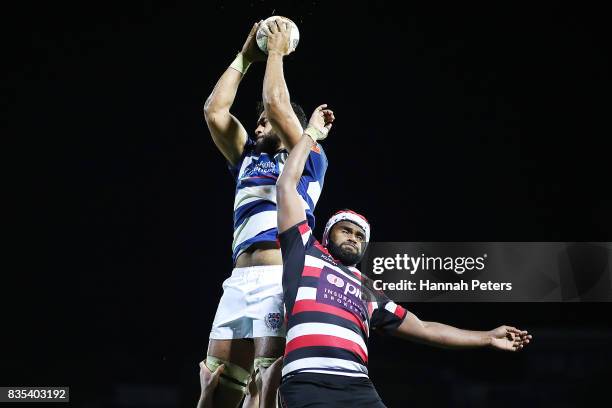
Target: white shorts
point(251, 305)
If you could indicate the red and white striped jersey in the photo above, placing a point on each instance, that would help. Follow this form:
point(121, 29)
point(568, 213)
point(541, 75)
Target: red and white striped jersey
point(330, 309)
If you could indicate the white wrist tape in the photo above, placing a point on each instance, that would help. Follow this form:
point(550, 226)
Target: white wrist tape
point(315, 133)
point(240, 63)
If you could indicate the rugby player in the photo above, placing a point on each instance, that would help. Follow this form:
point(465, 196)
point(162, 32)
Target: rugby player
point(331, 307)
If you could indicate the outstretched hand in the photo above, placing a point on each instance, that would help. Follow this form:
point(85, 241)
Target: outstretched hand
point(509, 338)
point(278, 32)
point(250, 50)
point(322, 119)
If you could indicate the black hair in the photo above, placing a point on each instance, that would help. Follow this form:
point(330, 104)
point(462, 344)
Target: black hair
point(297, 109)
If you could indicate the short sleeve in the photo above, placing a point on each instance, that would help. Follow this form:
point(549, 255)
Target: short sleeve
point(386, 314)
point(316, 165)
point(295, 241)
point(248, 148)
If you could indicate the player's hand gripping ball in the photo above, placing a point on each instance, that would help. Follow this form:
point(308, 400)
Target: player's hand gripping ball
point(262, 33)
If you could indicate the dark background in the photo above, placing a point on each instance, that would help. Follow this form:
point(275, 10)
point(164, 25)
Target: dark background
point(479, 123)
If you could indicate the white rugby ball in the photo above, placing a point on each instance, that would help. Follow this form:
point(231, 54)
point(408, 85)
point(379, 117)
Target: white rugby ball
point(262, 38)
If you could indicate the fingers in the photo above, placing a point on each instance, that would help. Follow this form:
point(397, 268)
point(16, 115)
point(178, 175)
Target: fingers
point(329, 115)
point(219, 371)
point(278, 25)
point(526, 340)
point(512, 342)
point(279, 361)
point(255, 27)
point(271, 26)
point(204, 368)
point(515, 331)
point(512, 329)
point(214, 379)
point(266, 28)
point(521, 342)
point(275, 26)
point(206, 371)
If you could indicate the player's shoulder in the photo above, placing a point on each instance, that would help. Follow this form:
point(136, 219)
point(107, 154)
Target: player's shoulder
point(317, 149)
point(301, 229)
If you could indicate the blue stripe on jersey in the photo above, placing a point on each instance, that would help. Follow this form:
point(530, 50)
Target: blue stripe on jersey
point(258, 174)
point(257, 181)
point(247, 210)
point(264, 236)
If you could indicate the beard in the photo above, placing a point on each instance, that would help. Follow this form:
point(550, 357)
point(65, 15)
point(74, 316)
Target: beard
point(347, 257)
point(270, 143)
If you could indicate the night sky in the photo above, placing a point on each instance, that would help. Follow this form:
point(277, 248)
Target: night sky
point(479, 123)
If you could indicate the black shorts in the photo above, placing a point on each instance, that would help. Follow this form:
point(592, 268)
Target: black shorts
point(328, 390)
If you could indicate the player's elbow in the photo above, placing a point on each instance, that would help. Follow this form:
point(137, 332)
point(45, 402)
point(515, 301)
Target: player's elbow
point(212, 108)
point(208, 105)
point(208, 110)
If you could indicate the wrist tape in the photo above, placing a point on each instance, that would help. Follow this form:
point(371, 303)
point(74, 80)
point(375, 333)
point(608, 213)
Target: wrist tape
point(240, 63)
point(315, 133)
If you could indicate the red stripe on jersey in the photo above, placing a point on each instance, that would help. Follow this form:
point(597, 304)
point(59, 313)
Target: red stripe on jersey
point(303, 228)
point(312, 340)
point(311, 271)
point(309, 305)
point(400, 312)
point(321, 248)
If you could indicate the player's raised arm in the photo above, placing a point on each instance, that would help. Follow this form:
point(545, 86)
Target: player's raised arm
point(506, 338)
point(290, 210)
point(277, 102)
point(227, 132)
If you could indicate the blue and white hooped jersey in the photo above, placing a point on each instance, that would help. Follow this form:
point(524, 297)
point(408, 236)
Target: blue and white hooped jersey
point(255, 199)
